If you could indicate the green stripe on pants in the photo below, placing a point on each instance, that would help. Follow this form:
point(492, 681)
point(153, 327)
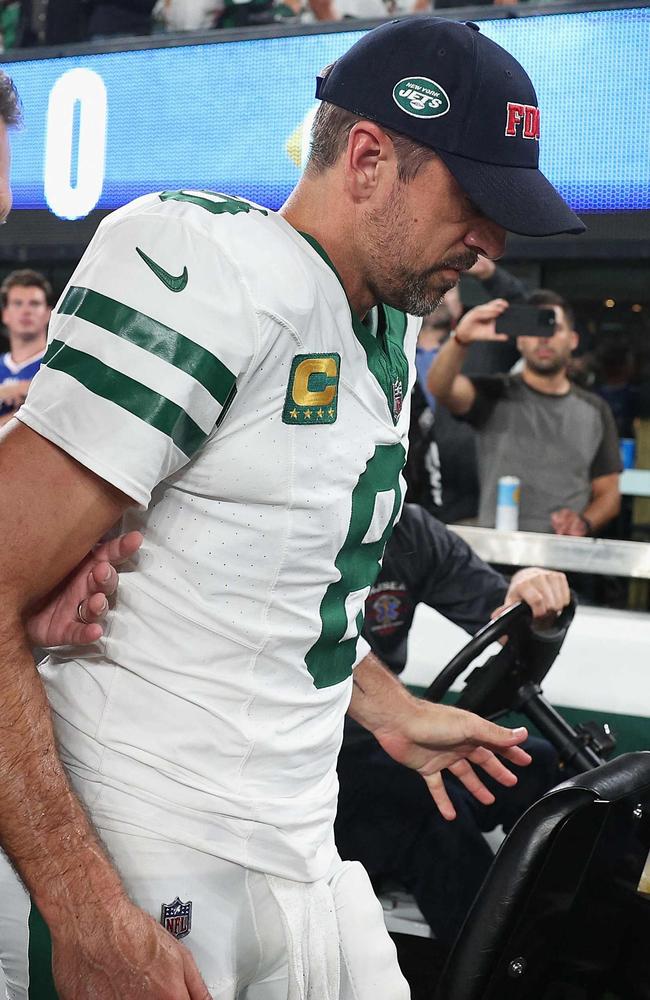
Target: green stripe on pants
point(41, 981)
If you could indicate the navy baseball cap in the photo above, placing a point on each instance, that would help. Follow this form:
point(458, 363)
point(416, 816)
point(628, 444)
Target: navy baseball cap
point(447, 86)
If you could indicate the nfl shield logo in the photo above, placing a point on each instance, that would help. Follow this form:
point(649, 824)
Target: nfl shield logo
point(176, 917)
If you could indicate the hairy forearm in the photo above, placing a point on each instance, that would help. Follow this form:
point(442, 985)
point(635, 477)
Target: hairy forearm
point(444, 369)
point(378, 697)
point(602, 509)
point(43, 827)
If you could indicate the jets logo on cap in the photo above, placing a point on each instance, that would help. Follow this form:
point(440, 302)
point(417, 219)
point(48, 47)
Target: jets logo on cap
point(522, 119)
point(420, 97)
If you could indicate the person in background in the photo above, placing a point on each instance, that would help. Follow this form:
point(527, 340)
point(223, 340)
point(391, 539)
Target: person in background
point(558, 439)
point(483, 282)
point(615, 364)
point(10, 117)
point(11, 24)
point(26, 297)
point(441, 471)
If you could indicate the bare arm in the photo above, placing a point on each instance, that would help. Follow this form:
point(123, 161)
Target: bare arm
point(444, 379)
point(53, 511)
point(604, 505)
point(605, 501)
point(429, 738)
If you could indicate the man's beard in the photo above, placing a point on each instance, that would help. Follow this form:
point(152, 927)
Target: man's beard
point(396, 284)
point(549, 366)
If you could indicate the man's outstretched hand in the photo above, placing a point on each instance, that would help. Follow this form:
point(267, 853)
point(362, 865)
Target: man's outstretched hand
point(56, 621)
point(431, 737)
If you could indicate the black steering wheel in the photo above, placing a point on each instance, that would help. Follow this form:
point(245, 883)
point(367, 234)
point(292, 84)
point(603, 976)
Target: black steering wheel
point(528, 655)
point(510, 681)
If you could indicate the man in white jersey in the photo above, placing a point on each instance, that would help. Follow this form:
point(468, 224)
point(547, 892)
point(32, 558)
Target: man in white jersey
point(233, 380)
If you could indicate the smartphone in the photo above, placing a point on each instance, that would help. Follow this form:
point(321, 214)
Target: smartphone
point(526, 321)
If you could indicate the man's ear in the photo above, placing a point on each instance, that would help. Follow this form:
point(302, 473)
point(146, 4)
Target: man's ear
point(369, 160)
point(575, 340)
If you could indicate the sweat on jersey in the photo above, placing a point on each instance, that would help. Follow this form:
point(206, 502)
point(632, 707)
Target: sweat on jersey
point(205, 361)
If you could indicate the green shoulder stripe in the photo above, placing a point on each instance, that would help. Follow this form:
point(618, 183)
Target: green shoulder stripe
point(229, 206)
point(138, 399)
point(151, 336)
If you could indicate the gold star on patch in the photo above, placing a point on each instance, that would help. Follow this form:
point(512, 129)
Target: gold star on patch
point(294, 414)
point(307, 414)
point(319, 414)
point(331, 411)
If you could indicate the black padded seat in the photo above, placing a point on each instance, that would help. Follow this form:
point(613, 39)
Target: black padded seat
point(559, 916)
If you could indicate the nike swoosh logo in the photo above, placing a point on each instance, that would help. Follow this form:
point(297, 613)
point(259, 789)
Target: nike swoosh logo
point(174, 284)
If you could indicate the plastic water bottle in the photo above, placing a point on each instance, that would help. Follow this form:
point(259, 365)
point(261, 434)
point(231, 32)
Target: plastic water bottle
point(508, 492)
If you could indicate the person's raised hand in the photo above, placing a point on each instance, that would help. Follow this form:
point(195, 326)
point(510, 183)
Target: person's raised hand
point(480, 323)
point(72, 613)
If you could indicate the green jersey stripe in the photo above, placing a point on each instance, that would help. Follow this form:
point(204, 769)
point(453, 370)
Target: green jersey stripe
point(151, 336)
point(41, 981)
point(227, 206)
point(138, 399)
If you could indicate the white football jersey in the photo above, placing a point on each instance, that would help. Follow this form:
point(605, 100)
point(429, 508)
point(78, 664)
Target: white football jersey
point(205, 361)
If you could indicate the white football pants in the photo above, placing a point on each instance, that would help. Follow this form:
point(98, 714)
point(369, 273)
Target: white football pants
point(253, 936)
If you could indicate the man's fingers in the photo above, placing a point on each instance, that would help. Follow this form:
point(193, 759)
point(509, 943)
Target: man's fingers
point(545, 591)
point(565, 589)
point(439, 795)
point(94, 607)
point(102, 579)
point(91, 612)
point(490, 734)
point(195, 986)
point(493, 766)
point(82, 635)
point(516, 755)
point(470, 779)
point(118, 550)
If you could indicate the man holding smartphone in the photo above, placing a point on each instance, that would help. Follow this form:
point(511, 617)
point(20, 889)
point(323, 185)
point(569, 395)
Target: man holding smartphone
point(558, 439)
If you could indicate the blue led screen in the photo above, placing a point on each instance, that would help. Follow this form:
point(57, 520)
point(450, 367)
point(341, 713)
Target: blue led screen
point(234, 116)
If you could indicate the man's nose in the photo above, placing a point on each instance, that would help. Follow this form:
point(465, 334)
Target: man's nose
point(487, 238)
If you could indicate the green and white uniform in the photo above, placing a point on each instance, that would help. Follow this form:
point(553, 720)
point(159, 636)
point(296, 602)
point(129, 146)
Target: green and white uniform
point(204, 360)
